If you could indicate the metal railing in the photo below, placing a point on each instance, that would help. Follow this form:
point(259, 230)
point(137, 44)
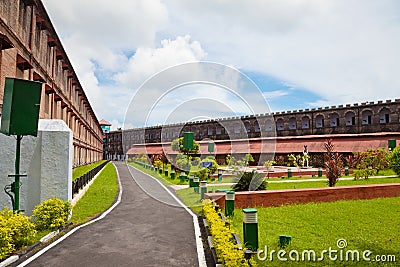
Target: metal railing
point(80, 182)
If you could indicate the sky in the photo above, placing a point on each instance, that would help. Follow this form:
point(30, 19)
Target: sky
point(298, 53)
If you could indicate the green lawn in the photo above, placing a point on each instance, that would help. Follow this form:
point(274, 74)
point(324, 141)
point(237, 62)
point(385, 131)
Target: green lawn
point(165, 180)
point(192, 200)
point(81, 170)
point(99, 197)
point(365, 224)
point(319, 184)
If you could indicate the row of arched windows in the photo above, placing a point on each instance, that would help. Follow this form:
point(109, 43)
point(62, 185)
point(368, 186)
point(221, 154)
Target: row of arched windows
point(350, 118)
point(334, 119)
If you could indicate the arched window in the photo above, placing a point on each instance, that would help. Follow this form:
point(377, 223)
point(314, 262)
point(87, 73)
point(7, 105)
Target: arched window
point(367, 117)
point(210, 130)
point(218, 129)
point(280, 124)
point(256, 127)
point(350, 118)
point(334, 120)
point(384, 116)
point(202, 131)
point(292, 123)
point(247, 126)
point(319, 121)
point(305, 122)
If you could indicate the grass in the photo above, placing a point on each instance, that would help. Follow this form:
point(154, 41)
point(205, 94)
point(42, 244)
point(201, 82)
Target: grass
point(192, 199)
point(81, 170)
point(99, 197)
point(165, 180)
point(365, 225)
point(321, 184)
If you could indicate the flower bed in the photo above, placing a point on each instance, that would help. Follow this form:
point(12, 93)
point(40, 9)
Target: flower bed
point(223, 240)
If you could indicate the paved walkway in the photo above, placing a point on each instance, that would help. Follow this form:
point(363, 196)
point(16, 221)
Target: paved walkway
point(140, 231)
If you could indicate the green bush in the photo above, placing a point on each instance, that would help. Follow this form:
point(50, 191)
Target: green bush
point(223, 241)
point(250, 181)
point(16, 231)
point(395, 160)
point(51, 214)
point(215, 165)
point(202, 174)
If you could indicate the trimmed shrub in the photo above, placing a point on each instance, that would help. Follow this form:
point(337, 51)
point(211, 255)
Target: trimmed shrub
point(223, 241)
point(51, 214)
point(16, 231)
point(395, 160)
point(250, 181)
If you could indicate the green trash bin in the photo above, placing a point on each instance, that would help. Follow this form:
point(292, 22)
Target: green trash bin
point(319, 172)
point(289, 173)
point(191, 178)
point(182, 177)
point(219, 175)
point(172, 174)
point(196, 184)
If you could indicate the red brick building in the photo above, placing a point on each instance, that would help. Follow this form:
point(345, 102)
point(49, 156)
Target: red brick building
point(352, 128)
point(30, 49)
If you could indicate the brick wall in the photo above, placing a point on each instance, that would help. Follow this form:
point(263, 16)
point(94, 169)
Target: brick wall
point(285, 197)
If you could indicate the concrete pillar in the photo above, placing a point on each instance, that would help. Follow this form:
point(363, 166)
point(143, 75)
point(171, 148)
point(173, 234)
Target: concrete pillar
point(47, 161)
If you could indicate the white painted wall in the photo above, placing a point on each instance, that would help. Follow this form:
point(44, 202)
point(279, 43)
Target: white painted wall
point(46, 159)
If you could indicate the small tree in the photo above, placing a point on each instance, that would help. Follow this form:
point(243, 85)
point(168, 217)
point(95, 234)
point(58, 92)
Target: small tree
point(333, 163)
point(247, 159)
point(268, 165)
point(297, 161)
point(230, 160)
point(182, 162)
point(370, 162)
point(395, 160)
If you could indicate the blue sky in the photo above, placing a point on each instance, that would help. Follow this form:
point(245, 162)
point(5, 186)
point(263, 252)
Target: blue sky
point(300, 53)
point(282, 96)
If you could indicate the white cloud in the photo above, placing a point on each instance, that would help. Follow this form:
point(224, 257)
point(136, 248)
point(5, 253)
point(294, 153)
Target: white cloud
point(148, 61)
point(342, 51)
point(275, 94)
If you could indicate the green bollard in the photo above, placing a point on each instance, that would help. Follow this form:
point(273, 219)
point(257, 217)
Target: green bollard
point(284, 240)
point(346, 170)
point(250, 228)
point(182, 177)
point(289, 173)
point(229, 203)
point(191, 178)
point(196, 184)
point(203, 188)
point(219, 175)
point(319, 172)
point(172, 174)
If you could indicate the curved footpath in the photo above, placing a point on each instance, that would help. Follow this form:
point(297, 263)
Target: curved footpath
point(140, 231)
